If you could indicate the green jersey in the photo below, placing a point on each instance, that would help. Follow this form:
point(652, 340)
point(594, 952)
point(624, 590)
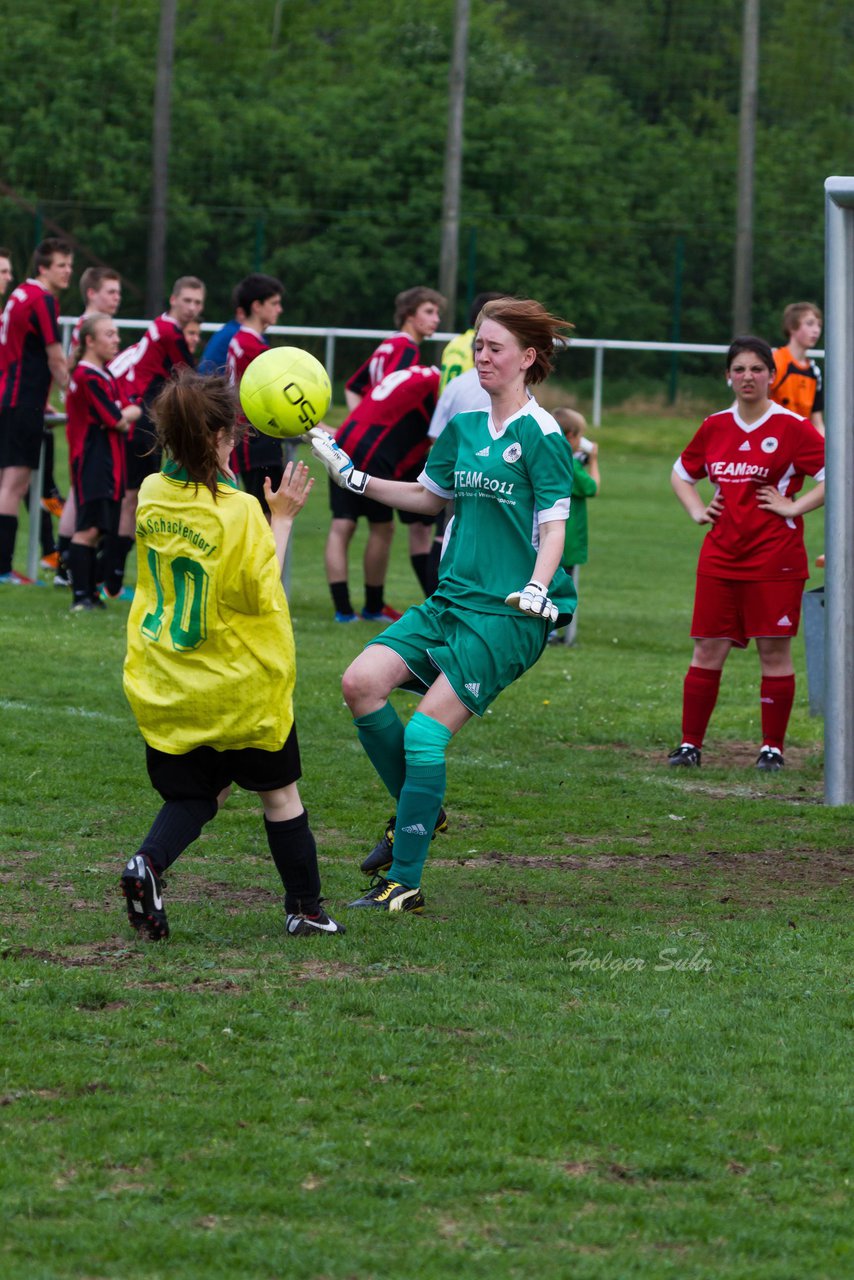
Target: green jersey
point(504, 484)
point(583, 487)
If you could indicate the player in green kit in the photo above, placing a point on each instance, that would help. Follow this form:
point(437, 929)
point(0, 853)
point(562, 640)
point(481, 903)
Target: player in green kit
point(501, 587)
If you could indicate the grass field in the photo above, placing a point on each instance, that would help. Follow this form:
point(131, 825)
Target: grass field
point(618, 1044)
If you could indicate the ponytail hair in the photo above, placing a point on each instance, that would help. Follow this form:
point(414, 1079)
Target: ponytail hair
point(86, 330)
point(188, 415)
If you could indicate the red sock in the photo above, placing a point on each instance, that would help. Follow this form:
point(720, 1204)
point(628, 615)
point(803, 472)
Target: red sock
point(699, 695)
point(776, 693)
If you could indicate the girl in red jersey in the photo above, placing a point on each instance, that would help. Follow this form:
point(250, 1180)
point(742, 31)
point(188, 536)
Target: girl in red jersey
point(98, 419)
point(753, 563)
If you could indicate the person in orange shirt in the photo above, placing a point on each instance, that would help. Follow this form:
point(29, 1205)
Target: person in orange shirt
point(797, 379)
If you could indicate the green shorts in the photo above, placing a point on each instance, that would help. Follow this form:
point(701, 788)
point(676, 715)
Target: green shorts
point(479, 653)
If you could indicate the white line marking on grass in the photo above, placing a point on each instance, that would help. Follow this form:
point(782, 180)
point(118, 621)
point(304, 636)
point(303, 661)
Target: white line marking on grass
point(9, 704)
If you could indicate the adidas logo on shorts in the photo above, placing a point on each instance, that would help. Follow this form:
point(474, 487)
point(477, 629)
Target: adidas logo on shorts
point(473, 688)
point(785, 621)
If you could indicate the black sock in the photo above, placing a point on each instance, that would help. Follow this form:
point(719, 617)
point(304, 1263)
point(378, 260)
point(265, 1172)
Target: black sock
point(115, 556)
point(424, 574)
point(174, 829)
point(341, 597)
point(8, 534)
point(81, 568)
point(295, 855)
point(46, 534)
point(374, 599)
point(62, 545)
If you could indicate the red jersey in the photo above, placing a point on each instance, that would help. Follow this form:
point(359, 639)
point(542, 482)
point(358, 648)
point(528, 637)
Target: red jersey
point(387, 433)
point(397, 352)
point(96, 450)
point(746, 542)
point(142, 369)
point(28, 327)
point(255, 449)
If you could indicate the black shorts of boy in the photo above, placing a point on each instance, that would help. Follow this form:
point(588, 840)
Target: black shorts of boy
point(21, 432)
point(202, 773)
point(253, 481)
point(144, 456)
point(101, 514)
point(350, 506)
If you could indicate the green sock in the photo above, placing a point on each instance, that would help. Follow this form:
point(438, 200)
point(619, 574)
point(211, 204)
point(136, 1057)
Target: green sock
point(420, 798)
point(381, 734)
point(417, 811)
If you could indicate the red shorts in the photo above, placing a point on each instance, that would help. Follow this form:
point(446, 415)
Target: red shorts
point(737, 610)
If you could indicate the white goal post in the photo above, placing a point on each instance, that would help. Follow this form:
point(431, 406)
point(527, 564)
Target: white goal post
point(839, 511)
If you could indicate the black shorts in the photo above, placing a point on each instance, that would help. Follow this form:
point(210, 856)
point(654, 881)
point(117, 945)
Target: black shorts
point(202, 773)
point(101, 513)
point(21, 432)
point(350, 506)
point(253, 481)
point(144, 456)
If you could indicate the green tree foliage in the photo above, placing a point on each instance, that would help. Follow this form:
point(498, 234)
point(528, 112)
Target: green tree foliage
point(308, 139)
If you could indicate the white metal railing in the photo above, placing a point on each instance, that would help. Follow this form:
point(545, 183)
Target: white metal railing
point(331, 335)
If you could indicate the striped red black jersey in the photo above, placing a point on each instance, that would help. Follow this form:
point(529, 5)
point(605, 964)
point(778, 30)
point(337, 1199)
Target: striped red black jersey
point(386, 433)
point(96, 448)
point(255, 449)
point(397, 352)
point(28, 327)
point(142, 369)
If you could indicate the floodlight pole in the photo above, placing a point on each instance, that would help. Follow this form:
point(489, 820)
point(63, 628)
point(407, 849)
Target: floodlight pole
point(839, 510)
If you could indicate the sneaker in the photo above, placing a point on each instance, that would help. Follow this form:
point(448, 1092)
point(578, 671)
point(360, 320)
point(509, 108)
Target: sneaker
point(386, 614)
point(298, 925)
point(380, 857)
point(686, 755)
point(87, 605)
point(143, 894)
point(770, 760)
point(125, 596)
point(15, 579)
point(54, 506)
point(388, 895)
point(50, 561)
point(345, 617)
point(62, 578)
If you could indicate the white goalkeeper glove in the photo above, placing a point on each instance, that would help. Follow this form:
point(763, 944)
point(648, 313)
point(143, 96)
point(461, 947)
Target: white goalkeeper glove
point(338, 463)
point(534, 599)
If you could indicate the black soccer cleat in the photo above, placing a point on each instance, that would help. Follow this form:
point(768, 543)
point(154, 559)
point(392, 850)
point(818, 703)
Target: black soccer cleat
point(685, 756)
point(381, 856)
point(388, 895)
point(299, 925)
point(770, 760)
point(142, 889)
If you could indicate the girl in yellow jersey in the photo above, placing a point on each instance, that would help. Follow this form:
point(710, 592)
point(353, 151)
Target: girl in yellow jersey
point(210, 664)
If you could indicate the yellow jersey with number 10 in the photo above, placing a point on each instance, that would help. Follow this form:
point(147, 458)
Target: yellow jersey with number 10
point(210, 656)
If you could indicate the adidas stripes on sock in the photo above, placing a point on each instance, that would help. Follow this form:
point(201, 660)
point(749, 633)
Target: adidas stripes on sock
point(420, 798)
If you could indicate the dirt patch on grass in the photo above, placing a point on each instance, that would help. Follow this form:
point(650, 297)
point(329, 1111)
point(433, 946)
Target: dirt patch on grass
point(755, 878)
point(81, 956)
